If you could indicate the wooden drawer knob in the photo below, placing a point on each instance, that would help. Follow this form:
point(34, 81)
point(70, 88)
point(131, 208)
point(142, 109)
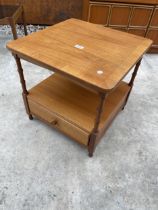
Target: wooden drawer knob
point(54, 122)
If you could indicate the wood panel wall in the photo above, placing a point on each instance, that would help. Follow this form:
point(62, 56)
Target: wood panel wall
point(48, 11)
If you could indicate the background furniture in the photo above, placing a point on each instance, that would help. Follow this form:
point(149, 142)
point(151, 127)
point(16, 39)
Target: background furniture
point(9, 14)
point(86, 92)
point(138, 17)
point(48, 11)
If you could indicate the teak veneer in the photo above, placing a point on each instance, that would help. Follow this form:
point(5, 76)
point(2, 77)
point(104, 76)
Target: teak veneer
point(86, 92)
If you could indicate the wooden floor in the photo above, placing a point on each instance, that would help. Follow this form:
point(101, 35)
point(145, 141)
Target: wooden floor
point(74, 103)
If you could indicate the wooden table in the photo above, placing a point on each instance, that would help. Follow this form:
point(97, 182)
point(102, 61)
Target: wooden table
point(86, 91)
point(9, 14)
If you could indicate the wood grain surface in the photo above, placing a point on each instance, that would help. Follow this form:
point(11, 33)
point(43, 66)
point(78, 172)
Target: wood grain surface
point(59, 98)
point(106, 57)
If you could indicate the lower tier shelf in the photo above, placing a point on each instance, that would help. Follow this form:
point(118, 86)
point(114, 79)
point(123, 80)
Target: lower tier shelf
point(72, 108)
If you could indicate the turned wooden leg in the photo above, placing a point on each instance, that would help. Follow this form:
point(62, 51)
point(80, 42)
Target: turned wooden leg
point(91, 146)
point(24, 22)
point(131, 83)
point(13, 27)
point(23, 84)
point(93, 136)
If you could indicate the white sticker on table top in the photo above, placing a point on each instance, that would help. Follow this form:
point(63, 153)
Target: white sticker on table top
point(100, 72)
point(78, 46)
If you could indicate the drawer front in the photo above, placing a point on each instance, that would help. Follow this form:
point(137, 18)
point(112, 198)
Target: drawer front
point(59, 123)
point(153, 34)
point(139, 31)
point(141, 16)
point(99, 14)
point(119, 14)
point(154, 21)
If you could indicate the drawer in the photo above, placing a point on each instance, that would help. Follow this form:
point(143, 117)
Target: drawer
point(137, 31)
point(141, 16)
point(154, 21)
point(153, 34)
point(99, 13)
point(59, 123)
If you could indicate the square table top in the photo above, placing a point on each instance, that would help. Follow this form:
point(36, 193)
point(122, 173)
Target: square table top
point(7, 10)
point(90, 54)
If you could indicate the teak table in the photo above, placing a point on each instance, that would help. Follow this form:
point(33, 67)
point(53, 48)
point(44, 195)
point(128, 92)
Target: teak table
point(86, 91)
point(9, 14)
